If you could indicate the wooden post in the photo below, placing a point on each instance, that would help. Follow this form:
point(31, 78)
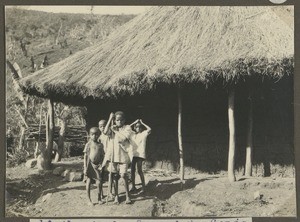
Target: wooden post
point(249, 147)
point(231, 122)
point(44, 160)
point(180, 137)
point(61, 140)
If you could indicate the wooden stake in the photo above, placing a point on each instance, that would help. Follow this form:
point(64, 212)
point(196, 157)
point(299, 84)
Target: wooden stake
point(249, 147)
point(180, 137)
point(231, 122)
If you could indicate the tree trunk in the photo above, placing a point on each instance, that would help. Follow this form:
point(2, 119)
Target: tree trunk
point(23, 128)
point(16, 76)
point(38, 145)
point(44, 160)
point(231, 122)
point(249, 148)
point(58, 33)
point(22, 138)
point(61, 140)
point(181, 162)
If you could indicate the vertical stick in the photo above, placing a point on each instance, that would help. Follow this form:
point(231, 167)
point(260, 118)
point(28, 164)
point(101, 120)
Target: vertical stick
point(231, 122)
point(180, 137)
point(110, 182)
point(248, 165)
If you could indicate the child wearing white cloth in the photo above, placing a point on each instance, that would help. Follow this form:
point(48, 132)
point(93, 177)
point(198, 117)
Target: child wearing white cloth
point(139, 140)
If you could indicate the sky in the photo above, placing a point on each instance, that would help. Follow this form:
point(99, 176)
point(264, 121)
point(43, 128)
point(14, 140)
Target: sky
point(87, 9)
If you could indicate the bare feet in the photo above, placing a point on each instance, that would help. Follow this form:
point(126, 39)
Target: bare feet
point(89, 203)
point(133, 189)
point(100, 202)
point(142, 191)
point(128, 201)
point(116, 201)
point(109, 197)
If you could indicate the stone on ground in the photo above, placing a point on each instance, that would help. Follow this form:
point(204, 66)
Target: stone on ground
point(65, 173)
point(257, 195)
point(74, 176)
point(46, 197)
point(31, 163)
point(58, 170)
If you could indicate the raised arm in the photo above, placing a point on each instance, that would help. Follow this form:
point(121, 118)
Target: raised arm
point(124, 135)
point(107, 127)
point(134, 122)
point(148, 128)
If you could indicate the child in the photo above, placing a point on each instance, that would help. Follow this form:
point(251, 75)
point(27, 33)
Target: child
point(120, 135)
point(103, 138)
point(93, 156)
point(139, 151)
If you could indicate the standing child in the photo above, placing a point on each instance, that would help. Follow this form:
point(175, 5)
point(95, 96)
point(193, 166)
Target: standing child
point(139, 151)
point(103, 138)
point(120, 135)
point(93, 157)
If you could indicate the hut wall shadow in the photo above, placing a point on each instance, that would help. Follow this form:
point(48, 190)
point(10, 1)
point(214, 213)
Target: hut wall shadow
point(205, 125)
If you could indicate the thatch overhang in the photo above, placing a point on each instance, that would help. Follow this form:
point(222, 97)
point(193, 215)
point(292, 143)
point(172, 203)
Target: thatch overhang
point(174, 45)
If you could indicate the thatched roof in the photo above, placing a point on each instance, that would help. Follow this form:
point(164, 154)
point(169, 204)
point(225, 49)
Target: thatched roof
point(172, 45)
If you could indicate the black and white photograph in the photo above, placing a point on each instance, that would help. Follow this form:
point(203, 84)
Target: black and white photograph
point(149, 111)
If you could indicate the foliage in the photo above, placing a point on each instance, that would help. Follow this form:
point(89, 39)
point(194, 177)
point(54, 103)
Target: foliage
point(16, 159)
point(77, 29)
point(35, 25)
point(39, 30)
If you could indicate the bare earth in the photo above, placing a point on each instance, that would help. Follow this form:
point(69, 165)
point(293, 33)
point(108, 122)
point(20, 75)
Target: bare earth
point(35, 194)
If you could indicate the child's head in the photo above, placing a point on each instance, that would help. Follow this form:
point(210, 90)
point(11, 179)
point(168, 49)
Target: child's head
point(138, 127)
point(119, 118)
point(102, 124)
point(94, 133)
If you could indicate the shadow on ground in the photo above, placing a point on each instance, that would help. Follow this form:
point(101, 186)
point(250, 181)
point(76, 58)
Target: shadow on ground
point(164, 189)
point(39, 183)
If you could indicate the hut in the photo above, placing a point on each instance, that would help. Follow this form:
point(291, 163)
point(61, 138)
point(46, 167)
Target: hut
point(188, 72)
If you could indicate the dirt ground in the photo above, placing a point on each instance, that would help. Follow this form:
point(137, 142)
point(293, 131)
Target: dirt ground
point(34, 194)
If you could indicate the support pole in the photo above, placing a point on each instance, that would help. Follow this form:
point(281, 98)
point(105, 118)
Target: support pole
point(180, 137)
point(61, 139)
point(231, 122)
point(44, 160)
point(249, 148)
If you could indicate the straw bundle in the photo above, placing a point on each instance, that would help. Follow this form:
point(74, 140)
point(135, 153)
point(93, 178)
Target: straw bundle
point(174, 45)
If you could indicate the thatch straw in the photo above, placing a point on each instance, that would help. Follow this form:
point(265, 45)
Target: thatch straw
point(172, 45)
